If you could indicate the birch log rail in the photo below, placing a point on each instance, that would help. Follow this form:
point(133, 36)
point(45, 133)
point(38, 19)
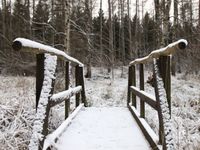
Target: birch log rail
point(161, 102)
point(27, 45)
point(170, 49)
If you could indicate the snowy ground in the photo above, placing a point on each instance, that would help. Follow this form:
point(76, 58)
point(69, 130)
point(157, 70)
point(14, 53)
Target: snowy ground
point(17, 102)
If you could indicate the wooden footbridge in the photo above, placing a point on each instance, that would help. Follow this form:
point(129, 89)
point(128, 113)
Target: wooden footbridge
point(101, 128)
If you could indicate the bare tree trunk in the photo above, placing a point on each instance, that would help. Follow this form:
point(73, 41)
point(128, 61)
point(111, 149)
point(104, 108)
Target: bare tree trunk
point(122, 37)
point(4, 17)
point(199, 13)
point(136, 29)
point(33, 6)
point(158, 22)
point(10, 21)
point(166, 22)
point(191, 14)
point(88, 10)
point(118, 54)
point(129, 29)
point(66, 17)
point(52, 18)
point(173, 62)
point(101, 33)
point(111, 55)
point(175, 13)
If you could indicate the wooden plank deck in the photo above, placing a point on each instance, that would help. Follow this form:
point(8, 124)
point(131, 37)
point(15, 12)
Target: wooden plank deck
point(103, 128)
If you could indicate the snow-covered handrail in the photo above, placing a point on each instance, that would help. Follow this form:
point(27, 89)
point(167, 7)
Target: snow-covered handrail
point(53, 137)
point(168, 50)
point(62, 96)
point(34, 47)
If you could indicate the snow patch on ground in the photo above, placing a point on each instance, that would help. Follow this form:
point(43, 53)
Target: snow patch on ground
point(102, 91)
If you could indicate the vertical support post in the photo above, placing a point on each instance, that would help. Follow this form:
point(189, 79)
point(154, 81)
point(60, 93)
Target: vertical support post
point(134, 84)
point(142, 104)
point(77, 79)
point(130, 75)
point(39, 76)
point(41, 128)
point(81, 76)
point(67, 78)
point(164, 67)
point(156, 72)
point(168, 83)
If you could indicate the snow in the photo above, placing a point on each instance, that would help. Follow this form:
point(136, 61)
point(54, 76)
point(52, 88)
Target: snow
point(103, 128)
point(51, 138)
point(59, 97)
point(102, 91)
point(47, 49)
point(49, 72)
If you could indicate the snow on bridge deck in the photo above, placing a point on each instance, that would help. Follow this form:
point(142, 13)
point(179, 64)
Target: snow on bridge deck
point(103, 128)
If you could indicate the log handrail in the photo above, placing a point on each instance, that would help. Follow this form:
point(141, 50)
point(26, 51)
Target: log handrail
point(45, 80)
point(161, 102)
point(26, 45)
point(168, 50)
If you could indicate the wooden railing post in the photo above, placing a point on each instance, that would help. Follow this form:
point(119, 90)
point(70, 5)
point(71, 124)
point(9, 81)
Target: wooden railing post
point(77, 80)
point(142, 104)
point(133, 81)
point(165, 132)
point(47, 111)
point(40, 126)
point(67, 102)
point(81, 76)
point(39, 76)
point(164, 67)
point(160, 117)
point(130, 73)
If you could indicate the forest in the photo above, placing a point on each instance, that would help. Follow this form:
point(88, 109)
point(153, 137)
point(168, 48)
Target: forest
point(121, 31)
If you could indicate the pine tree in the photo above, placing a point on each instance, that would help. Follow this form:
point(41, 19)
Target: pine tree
point(21, 19)
point(148, 34)
point(41, 18)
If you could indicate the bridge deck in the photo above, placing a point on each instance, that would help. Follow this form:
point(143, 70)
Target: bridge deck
point(103, 128)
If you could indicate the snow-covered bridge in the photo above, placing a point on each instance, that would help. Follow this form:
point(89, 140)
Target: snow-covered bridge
point(107, 127)
point(103, 128)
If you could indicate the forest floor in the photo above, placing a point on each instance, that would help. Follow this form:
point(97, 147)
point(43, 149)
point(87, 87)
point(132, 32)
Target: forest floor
point(17, 106)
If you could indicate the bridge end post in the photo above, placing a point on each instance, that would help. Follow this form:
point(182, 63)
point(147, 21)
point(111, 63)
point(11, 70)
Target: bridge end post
point(82, 83)
point(67, 78)
point(131, 98)
point(142, 104)
point(165, 73)
point(133, 81)
point(129, 84)
point(77, 80)
point(39, 76)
